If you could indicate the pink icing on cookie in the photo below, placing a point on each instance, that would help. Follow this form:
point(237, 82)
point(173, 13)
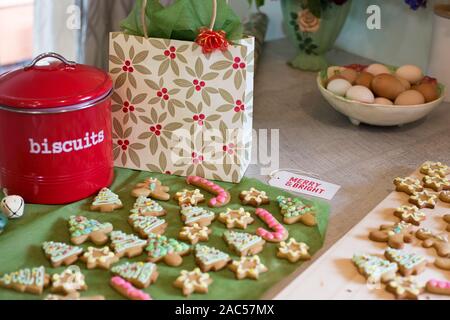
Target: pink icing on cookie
point(439, 284)
point(278, 232)
point(130, 291)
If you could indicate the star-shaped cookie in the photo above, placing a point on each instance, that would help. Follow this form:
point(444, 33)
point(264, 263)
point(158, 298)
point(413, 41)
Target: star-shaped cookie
point(408, 185)
point(254, 197)
point(293, 250)
point(194, 233)
point(436, 183)
point(237, 218)
point(434, 169)
point(189, 197)
point(101, 258)
point(405, 287)
point(69, 281)
point(248, 267)
point(410, 214)
point(423, 199)
point(193, 281)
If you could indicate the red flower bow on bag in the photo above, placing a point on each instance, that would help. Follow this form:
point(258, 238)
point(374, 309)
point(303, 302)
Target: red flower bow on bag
point(211, 40)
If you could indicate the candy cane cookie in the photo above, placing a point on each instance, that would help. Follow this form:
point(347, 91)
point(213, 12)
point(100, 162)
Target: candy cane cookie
point(438, 287)
point(222, 197)
point(127, 290)
point(279, 232)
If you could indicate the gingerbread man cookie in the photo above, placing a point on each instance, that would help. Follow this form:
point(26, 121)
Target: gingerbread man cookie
point(423, 199)
point(106, 201)
point(278, 233)
point(31, 280)
point(60, 253)
point(83, 229)
point(152, 188)
point(405, 287)
point(444, 196)
point(127, 290)
point(196, 215)
point(248, 267)
point(244, 244)
point(435, 169)
point(395, 235)
point(146, 225)
point(436, 183)
point(410, 214)
point(236, 218)
point(69, 281)
point(437, 241)
point(126, 244)
point(408, 263)
point(171, 251)
point(194, 234)
point(189, 197)
point(374, 268)
point(222, 197)
point(147, 207)
point(140, 274)
point(408, 185)
point(209, 258)
point(254, 197)
point(101, 258)
point(295, 210)
point(438, 287)
point(293, 250)
point(193, 281)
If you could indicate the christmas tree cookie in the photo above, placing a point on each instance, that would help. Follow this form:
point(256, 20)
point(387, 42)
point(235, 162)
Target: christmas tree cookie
point(295, 210)
point(201, 216)
point(209, 258)
point(375, 269)
point(147, 207)
point(140, 274)
point(60, 253)
point(126, 244)
point(106, 201)
point(244, 244)
point(31, 280)
point(167, 249)
point(408, 263)
point(145, 225)
point(83, 229)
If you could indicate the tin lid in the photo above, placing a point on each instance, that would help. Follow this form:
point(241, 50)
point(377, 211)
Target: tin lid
point(52, 86)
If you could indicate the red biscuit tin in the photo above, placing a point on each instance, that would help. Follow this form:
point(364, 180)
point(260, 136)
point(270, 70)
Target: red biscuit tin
point(55, 131)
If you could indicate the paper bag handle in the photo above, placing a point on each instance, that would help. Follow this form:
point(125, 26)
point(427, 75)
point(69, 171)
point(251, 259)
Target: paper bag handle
point(211, 25)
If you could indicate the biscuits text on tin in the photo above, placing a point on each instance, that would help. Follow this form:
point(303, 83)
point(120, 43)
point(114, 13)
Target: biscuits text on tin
point(45, 146)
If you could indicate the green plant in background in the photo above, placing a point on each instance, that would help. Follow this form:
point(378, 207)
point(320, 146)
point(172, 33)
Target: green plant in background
point(258, 3)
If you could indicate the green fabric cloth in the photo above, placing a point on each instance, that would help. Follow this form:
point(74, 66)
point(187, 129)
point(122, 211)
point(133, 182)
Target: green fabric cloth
point(20, 243)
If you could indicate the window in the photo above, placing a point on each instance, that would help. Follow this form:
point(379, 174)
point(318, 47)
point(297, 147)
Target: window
point(16, 33)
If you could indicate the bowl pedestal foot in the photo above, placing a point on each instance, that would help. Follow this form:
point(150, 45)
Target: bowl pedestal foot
point(354, 121)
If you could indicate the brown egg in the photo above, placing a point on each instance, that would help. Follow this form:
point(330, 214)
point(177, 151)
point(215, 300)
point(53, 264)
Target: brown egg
point(404, 82)
point(349, 74)
point(387, 86)
point(428, 90)
point(383, 101)
point(410, 98)
point(364, 79)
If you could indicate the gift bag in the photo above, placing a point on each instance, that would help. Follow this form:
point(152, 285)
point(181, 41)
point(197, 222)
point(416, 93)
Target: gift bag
point(180, 109)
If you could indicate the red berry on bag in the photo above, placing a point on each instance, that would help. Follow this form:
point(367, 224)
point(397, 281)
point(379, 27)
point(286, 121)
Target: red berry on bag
point(202, 83)
point(198, 88)
point(131, 108)
point(172, 49)
point(128, 63)
point(119, 142)
point(237, 60)
point(167, 53)
point(242, 65)
point(126, 104)
point(201, 116)
point(158, 127)
point(211, 40)
point(152, 129)
point(164, 90)
point(235, 66)
point(195, 118)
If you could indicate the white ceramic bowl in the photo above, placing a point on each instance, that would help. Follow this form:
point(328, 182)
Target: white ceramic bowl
point(378, 114)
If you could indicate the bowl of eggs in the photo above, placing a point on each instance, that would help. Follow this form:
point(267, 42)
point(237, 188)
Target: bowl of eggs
point(380, 95)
